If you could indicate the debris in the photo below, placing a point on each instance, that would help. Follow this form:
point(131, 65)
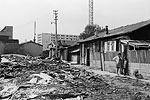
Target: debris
point(77, 98)
point(33, 80)
point(137, 75)
point(42, 75)
point(29, 78)
point(8, 90)
point(4, 60)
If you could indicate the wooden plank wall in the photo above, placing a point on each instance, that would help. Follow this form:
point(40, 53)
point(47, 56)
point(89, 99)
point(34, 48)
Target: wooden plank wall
point(109, 56)
point(139, 56)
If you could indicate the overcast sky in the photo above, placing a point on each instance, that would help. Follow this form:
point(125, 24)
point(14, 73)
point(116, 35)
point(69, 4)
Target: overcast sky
point(72, 15)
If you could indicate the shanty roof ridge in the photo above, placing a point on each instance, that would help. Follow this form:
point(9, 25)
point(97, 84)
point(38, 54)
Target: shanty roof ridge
point(119, 30)
point(30, 42)
point(3, 29)
point(141, 22)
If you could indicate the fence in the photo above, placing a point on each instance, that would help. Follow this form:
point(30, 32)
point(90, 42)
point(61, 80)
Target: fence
point(138, 56)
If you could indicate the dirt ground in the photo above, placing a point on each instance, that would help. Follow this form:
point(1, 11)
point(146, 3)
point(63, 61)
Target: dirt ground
point(120, 87)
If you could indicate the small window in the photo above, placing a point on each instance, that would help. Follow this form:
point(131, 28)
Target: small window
point(108, 46)
point(97, 46)
point(112, 46)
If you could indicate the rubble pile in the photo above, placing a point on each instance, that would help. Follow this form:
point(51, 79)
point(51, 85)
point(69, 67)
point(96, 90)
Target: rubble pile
point(54, 79)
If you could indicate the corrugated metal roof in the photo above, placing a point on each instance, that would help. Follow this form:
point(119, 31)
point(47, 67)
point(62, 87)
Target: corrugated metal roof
point(136, 43)
point(119, 30)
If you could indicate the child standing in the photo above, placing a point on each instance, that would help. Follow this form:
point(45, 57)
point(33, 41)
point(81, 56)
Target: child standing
point(118, 60)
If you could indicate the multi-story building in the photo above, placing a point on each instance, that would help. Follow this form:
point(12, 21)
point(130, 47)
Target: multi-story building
point(46, 38)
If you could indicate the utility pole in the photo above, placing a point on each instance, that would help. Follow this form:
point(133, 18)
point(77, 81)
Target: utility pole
point(34, 40)
point(91, 12)
point(55, 12)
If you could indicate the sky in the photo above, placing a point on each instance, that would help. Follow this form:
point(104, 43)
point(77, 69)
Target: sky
point(73, 15)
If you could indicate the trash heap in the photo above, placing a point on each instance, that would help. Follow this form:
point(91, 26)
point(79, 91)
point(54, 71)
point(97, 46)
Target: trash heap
point(54, 79)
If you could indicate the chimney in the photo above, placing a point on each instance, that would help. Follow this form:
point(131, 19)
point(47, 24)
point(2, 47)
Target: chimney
point(96, 34)
point(107, 30)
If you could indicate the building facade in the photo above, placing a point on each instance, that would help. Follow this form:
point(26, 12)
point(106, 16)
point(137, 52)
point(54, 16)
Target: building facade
point(8, 45)
point(6, 33)
point(31, 48)
point(132, 41)
point(46, 38)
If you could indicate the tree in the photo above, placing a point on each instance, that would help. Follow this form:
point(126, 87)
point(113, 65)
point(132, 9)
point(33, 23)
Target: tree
point(90, 30)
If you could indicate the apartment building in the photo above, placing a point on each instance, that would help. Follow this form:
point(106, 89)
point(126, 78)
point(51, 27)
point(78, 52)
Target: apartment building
point(46, 38)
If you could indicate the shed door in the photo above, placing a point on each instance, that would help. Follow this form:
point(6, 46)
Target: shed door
point(88, 57)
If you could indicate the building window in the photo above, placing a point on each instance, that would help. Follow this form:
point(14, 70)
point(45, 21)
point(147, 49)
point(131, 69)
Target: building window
point(93, 44)
point(117, 45)
point(112, 46)
point(108, 45)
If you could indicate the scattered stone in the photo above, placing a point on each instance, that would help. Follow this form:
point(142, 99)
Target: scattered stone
point(28, 78)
